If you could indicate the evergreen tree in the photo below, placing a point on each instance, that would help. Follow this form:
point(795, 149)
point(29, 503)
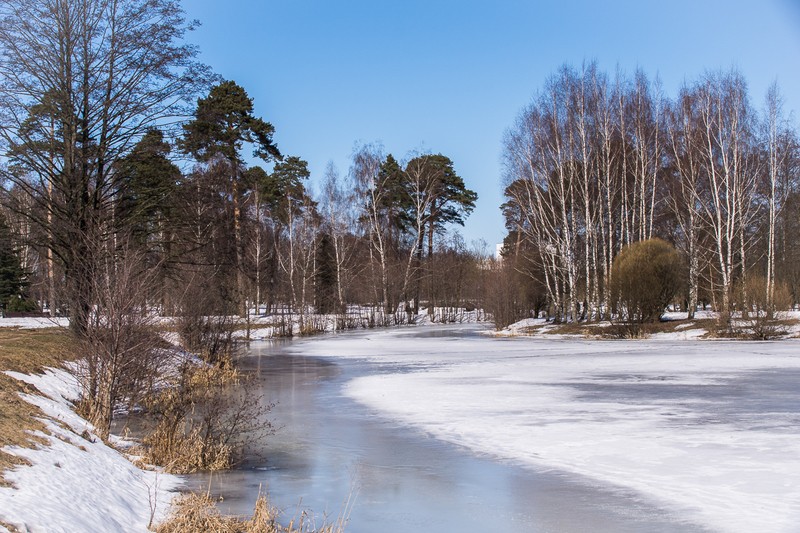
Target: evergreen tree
point(449, 200)
point(286, 192)
point(223, 122)
point(148, 180)
point(325, 285)
point(13, 279)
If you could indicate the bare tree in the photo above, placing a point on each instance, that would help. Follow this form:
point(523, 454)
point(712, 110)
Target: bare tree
point(337, 207)
point(541, 182)
point(80, 82)
point(123, 354)
point(685, 144)
point(725, 122)
point(297, 259)
point(778, 149)
point(366, 173)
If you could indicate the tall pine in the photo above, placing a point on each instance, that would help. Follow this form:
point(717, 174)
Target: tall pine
point(13, 279)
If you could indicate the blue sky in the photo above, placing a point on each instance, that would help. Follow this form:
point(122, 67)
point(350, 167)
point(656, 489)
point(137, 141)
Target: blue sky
point(451, 76)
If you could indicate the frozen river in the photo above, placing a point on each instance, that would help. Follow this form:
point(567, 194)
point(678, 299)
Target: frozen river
point(445, 429)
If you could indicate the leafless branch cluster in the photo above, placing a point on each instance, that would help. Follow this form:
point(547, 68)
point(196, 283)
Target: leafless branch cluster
point(597, 163)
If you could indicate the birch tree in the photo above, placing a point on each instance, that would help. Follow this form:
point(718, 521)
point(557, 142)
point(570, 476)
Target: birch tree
point(725, 122)
point(540, 176)
point(370, 181)
point(685, 145)
point(777, 137)
point(339, 220)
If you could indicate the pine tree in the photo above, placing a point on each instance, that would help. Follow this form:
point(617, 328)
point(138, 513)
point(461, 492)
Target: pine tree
point(13, 279)
point(223, 122)
point(148, 181)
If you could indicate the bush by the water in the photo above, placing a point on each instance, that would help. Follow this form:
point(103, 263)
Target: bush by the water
point(204, 421)
point(645, 277)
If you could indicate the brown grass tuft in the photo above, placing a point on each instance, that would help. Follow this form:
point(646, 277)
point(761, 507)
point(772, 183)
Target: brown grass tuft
point(9, 527)
point(196, 513)
point(203, 421)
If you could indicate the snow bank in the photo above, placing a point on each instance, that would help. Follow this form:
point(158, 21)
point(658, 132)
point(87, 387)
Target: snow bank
point(709, 430)
point(78, 484)
point(34, 323)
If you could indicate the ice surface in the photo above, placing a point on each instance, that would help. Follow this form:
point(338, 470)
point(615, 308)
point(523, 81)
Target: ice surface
point(708, 428)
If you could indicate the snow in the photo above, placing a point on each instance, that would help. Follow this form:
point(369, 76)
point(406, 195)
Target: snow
point(34, 322)
point(680, 333)
point(708, 430)
point(265, 327)
point(77, 483)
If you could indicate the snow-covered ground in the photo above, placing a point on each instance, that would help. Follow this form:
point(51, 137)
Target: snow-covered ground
point(709, 430)
point(700, 327)
point(77, 483)
point(34, 322)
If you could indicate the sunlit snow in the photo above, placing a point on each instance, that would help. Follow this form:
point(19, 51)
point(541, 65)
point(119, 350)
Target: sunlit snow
point(707, 429)
point(76, 483)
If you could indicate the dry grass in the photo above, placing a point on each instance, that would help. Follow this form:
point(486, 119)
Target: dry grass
point(197, 513)
point(9, 527)
point(645, 330)
point(758, 328)
point(26, 351)
point(203, 421)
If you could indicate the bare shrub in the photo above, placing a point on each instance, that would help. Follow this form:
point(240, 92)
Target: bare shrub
point(123, 352)
point(204, 421)
point(761, 320)
point(506, 296)
point(205, 324)
point(313, 324)
point(209, 336)
point(284, 325)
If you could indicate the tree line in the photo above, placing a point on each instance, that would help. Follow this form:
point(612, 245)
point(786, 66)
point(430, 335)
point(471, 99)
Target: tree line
point(596, 163)
point(120, 146)
point(129, 193)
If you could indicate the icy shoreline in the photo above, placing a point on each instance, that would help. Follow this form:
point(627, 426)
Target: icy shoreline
point(76, 483)
point(707, 429)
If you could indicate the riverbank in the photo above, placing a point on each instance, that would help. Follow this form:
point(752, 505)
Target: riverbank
point(65, 479)
point(672, 326)
point(56, 473)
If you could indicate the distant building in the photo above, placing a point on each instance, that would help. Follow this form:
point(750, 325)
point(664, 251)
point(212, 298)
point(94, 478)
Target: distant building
point(498, 253)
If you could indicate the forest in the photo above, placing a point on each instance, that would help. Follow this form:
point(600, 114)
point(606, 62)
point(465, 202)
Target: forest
point(596, 163)
point(124, 154)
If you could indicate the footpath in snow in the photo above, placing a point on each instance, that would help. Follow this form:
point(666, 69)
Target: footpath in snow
point(706, 429)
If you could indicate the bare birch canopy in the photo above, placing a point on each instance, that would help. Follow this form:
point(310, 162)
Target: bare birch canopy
point(594, 164)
